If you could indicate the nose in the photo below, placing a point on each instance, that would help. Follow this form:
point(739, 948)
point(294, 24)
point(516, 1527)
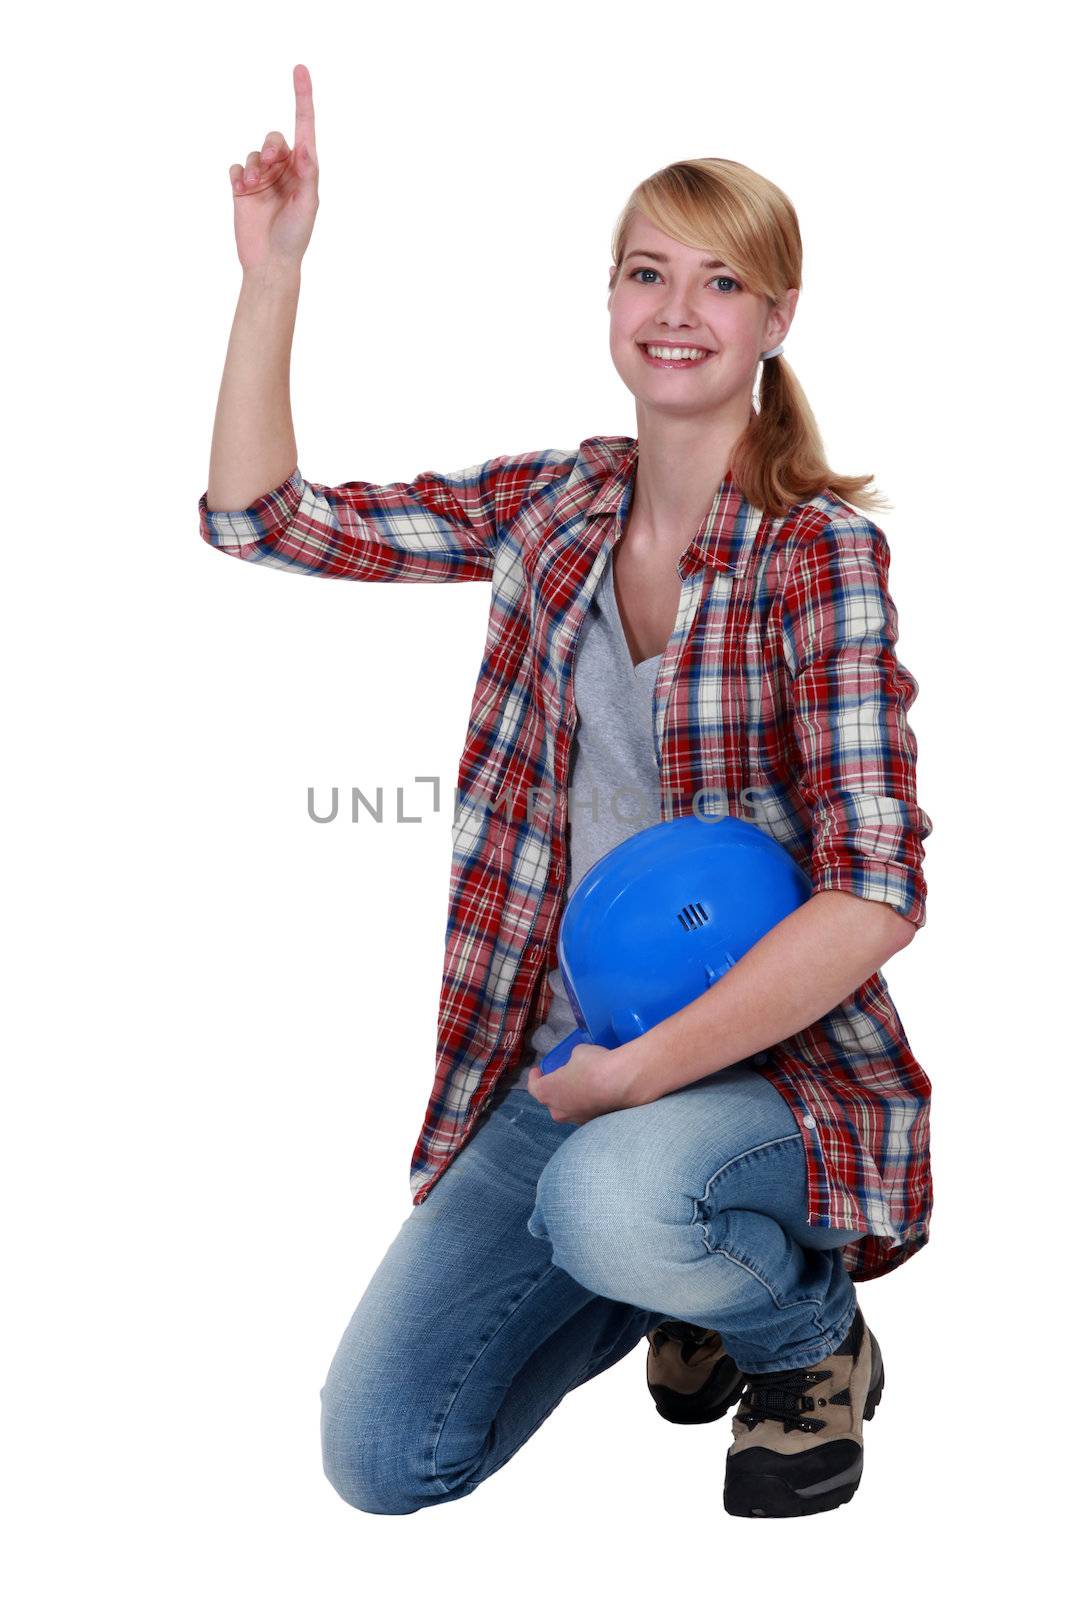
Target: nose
point(676, 309)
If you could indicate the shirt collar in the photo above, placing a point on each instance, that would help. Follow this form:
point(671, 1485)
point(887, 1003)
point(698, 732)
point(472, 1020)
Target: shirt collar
point(721, 536)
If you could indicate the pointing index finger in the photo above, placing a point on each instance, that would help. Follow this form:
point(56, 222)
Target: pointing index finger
point(305, 110)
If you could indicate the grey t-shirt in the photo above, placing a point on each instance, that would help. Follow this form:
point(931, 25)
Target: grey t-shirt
point(614, 780)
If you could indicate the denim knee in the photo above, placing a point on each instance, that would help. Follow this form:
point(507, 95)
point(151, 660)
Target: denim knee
point(601, 1222)
point(364, 1458)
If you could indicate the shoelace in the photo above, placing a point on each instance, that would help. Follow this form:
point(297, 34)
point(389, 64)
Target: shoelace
point(779, 1397)
point(687, 1333)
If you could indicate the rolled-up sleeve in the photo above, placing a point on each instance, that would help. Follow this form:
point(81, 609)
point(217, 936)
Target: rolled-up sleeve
point(848, 714)
point(441, 527)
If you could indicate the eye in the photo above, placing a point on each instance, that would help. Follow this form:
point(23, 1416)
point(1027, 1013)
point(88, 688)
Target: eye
point(721, 279)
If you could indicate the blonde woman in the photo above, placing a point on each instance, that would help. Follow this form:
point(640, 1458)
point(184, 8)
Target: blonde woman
point(698, 611)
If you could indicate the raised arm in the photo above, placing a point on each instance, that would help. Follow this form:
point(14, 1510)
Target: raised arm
point(275, 200)
point(257, 505)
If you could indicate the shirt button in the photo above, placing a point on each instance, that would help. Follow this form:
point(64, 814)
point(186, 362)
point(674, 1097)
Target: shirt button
point(809, 1121)
point(760, 1057)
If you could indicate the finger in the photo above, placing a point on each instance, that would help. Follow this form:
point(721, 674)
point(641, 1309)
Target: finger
point(275, 150)
point(305, 109)
point(246, 177)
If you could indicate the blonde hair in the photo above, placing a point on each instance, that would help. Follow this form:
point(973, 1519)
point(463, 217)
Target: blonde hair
point(711, 203)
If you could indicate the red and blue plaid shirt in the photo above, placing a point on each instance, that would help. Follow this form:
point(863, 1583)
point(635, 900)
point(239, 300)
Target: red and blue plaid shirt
point(779, 692)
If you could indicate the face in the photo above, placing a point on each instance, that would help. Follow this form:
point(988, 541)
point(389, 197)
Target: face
point(669, 294)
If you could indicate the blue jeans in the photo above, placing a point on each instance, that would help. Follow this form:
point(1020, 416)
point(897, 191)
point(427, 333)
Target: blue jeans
point(547, 1251)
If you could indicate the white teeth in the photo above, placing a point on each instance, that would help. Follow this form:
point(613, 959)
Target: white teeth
point(665, 353)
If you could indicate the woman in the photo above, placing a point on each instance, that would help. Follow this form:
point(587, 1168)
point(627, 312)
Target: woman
point(695, 610)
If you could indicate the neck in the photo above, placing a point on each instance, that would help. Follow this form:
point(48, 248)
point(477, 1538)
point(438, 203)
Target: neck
point(681, 463)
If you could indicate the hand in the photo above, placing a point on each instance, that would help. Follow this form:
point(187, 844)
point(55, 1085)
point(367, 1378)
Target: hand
point(593, 1081)
point(276, 192)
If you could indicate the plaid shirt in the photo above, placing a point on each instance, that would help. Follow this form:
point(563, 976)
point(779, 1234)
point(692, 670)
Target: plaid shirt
point(779, 691)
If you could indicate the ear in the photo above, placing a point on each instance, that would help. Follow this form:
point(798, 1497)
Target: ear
point(783, 314)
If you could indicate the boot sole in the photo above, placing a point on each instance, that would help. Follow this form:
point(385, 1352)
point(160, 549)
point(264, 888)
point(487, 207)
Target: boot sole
point(701, 1406)
point(766, 1494)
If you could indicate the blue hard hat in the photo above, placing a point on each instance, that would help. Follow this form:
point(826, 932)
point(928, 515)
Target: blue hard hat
point(664, 915)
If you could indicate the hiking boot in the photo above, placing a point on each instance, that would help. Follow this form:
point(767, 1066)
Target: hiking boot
point(798, 1436)
point(690, 1376)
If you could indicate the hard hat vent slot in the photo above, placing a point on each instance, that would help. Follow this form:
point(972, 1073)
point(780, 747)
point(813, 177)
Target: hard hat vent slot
point(694, 915)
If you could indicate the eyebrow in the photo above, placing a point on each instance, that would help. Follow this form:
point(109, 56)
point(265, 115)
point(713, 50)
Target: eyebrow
point(654, 255)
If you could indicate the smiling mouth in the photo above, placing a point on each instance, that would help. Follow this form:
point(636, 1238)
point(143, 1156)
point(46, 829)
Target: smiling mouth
point(675, 363)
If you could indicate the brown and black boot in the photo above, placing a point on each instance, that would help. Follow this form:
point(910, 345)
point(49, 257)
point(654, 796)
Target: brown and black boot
point(798, 1436)
point(690, 1376)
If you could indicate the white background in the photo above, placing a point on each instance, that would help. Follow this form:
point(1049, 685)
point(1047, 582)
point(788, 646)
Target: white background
point(220, 1017)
